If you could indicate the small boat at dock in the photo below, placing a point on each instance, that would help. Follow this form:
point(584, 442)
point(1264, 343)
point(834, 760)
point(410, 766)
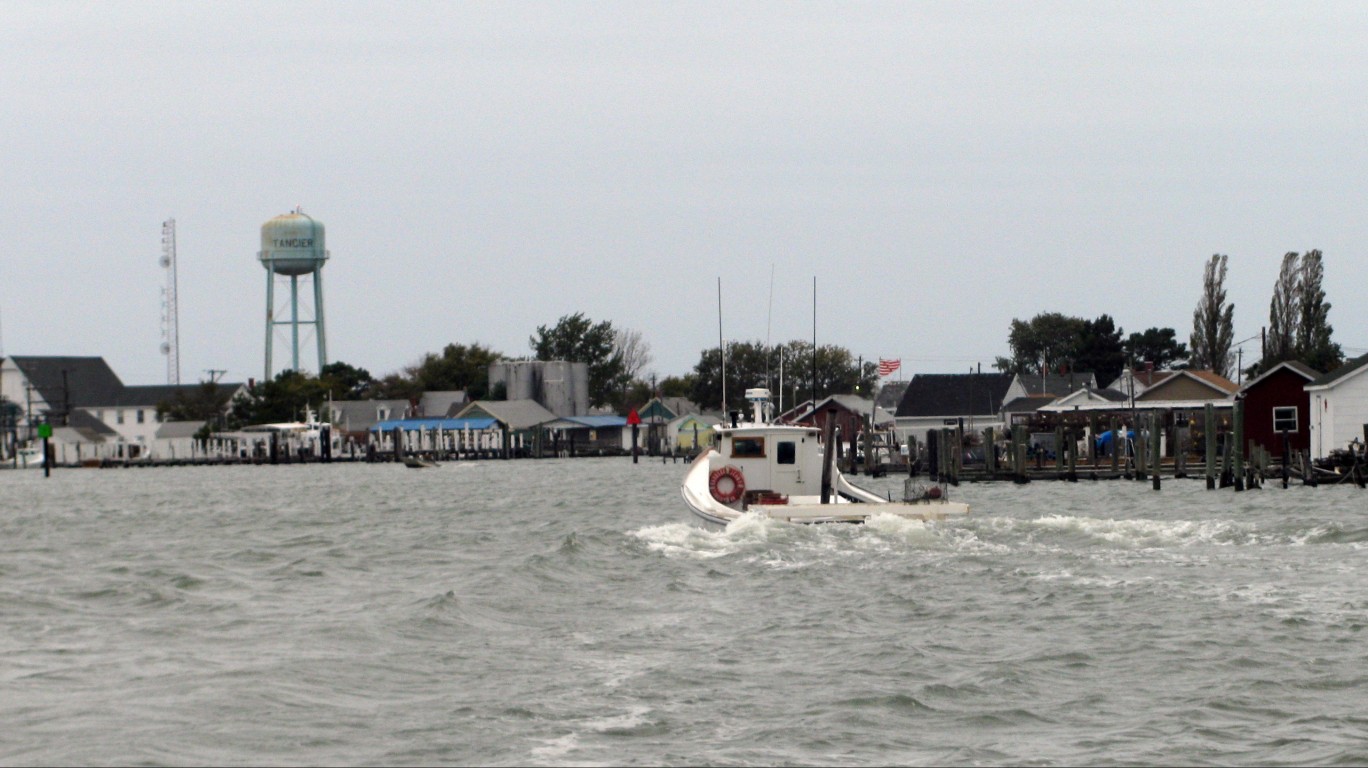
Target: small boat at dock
point(782, 472)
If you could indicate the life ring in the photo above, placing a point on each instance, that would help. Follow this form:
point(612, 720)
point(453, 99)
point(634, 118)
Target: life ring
point(738, 484)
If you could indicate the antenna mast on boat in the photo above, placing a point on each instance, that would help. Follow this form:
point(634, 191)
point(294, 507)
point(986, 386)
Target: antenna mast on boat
point(769, 326)
point(721, 350)
point(814, 341)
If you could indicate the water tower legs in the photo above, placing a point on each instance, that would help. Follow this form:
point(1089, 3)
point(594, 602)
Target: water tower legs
point(270, 319)
point(318, 319)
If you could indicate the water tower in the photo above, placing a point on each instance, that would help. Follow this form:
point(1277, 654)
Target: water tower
point(292, 247)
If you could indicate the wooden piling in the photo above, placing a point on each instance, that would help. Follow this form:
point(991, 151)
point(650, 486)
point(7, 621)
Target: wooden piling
point(1237, 459)
point(1116, 443)
point(1155, 453)
point(1209, 437)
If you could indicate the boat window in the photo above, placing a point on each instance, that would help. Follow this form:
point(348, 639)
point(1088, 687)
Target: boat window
point(748, 447)
point(788, 453)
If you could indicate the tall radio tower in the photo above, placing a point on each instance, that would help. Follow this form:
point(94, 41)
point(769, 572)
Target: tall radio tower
point(170, 345)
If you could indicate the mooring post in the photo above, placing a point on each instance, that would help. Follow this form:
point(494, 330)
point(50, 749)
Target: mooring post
point(1141, 450)
point(1092, 440)
point(1237, 452)
point(1156, 454)
point(1209, 436)
point(1071, 440)
point(989, 453)
point(1116, 443)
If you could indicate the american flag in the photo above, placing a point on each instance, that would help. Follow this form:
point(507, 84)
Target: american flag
point(887, 367)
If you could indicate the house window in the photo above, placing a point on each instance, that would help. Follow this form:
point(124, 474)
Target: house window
point(140, 415)
point(118, 416)
point(1285, 419)
point(788, 453)
point(748, 448)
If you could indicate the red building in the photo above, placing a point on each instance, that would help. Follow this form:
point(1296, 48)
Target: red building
point(1275, 402)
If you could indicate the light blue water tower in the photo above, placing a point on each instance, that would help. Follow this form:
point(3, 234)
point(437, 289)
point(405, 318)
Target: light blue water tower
point(292, 246)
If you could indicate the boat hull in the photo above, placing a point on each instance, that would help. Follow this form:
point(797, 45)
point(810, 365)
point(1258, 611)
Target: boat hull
point(848, 504)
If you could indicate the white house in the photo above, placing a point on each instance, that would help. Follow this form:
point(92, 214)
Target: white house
point(1339, 407)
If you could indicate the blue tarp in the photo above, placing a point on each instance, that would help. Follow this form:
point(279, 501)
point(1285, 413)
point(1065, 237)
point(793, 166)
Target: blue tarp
point(449, 425)
point(1104, 439)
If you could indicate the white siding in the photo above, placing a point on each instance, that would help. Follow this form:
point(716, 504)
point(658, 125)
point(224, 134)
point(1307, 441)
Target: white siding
point(1338, 413)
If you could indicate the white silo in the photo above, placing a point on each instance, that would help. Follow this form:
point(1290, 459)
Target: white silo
point(292, 246)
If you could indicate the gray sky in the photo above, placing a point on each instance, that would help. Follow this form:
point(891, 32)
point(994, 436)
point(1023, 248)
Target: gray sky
point(483, 169)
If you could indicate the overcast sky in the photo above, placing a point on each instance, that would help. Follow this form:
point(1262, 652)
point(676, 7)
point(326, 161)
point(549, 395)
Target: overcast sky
point(483, 169)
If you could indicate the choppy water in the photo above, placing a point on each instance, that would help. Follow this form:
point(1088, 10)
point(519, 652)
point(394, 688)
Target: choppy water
point(569, 612)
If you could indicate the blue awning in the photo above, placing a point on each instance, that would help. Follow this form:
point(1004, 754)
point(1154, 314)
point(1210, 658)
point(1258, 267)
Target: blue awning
point(448, 425)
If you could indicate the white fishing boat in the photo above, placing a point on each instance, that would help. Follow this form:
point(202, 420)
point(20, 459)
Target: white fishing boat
point(777, 470)
point(29, 457)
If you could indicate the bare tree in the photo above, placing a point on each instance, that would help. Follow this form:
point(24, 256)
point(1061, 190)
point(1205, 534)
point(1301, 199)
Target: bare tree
point(635, 352)
point(1213, 322)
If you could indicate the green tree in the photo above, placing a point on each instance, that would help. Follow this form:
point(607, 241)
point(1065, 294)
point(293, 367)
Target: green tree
point(578, 339)
point(1100, 350)
point(457, 367)
point(346, 382)
point(287, 397)
point(1284, 313)
point(208, 403)
point(678, 386)
point(1213, 322)
point(1159, 346)
point(1045, 343)
point(754, 364)
point(1313, 337)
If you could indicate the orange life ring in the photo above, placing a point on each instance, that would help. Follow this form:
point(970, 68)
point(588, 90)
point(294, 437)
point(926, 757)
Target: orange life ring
point(738, 484)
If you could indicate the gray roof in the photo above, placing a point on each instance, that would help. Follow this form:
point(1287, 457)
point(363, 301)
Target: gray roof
point(516, 414)
point(152, 395)
point(954, 394)
point(361, 415)
point(1028, 404)
point(77, 381)
point(1057, 384)
point(178, 429)
point(90, 426)
point(443, 403)
point(1350, 367)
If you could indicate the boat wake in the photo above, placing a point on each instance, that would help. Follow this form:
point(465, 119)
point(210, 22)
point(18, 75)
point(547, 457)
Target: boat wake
point(754, 534)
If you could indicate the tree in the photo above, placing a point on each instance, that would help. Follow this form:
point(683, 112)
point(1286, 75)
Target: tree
point(287, 397)
point(1054, 342)
point(678, 386)
point(1159, 346)
point(1042, 344)
point(208, 403)
point(1314, 345)
point(346, 382)
point(1284, 314)
point(1213, 322)
point(635, 352)
point(1100, 350)
point(753, 364)
point(577, 339)
point(459, 367)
